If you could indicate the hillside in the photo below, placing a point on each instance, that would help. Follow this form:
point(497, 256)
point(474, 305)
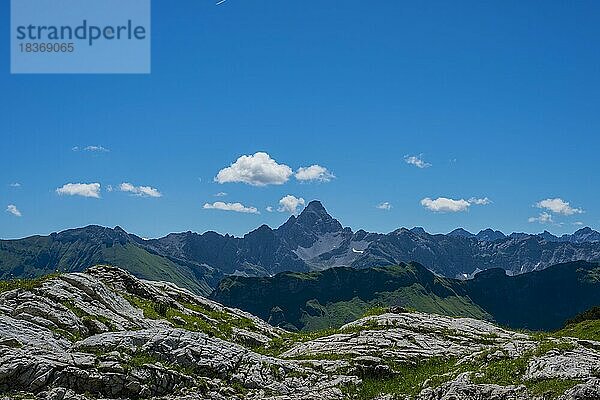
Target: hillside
point(541, 300)
point(336, 296)
point(77, 249)
point(106, 334)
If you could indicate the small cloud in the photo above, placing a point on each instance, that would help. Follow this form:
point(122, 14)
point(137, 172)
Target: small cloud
point(75, 148)
point(12, 209)
point(96, 149)
point(314, 173)
point(80, 189)
point(220, 194)
point(578, 223)
point(443, 204)
point(258, 169)
point(109, 188)
point(558, 206)
point(417, 161)
point(270, 209)
point(142, 191)
point(543, 218)
point(384, 206)
point(290, 204)
point(479, 202)
point(235, 207)
point(15, 185)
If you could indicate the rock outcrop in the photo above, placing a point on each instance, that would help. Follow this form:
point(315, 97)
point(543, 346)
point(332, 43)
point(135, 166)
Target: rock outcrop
point(105, 334)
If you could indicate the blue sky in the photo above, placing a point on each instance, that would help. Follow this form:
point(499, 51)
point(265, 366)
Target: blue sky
point(500, 98)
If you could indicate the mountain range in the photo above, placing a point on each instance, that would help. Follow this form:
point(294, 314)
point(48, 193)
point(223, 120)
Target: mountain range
point(539, 300)
point(311, 241)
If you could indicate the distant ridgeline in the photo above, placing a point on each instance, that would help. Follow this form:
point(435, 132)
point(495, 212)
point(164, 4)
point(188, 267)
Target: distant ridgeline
point(311, 241)
point(541, 300)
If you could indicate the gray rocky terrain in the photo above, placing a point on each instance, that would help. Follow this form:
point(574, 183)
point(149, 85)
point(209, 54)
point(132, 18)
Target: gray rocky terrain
point(104, 334)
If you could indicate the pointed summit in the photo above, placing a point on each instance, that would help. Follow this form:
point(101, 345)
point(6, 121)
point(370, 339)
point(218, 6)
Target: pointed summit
point(548, 237)
point(316, 219)
point(305, 229)
point(315, 206)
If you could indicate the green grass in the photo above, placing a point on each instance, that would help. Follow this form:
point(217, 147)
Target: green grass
point(84, 316)
point(223, 328)
point(506, 371)
point(25, 284)
point(550, 388)
point(374, 311)
point(141, 359)
point(589, 330)
point(547, 345)
point(407, 379)
point(414, 297)
point(410, 379)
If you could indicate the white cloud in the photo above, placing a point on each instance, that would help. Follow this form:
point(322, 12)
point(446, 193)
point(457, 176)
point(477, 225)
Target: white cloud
point(443, 204)
point(417, 161)
point(290, 204)
point(97, 149)
point(479, 202)
point(558, 206)
point(314, 173)
point(256, 170)
point(544, 218)
point(578, 223)
point(80, 189)
point(270, 209)
point(15, 185)
point(13, 210)
point(142, 191)
point(220, 194)
point(384, 206)
point(109, 188)
point(75, 148)
point(236, 207)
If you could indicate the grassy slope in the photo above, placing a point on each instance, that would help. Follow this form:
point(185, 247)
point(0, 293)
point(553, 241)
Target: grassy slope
point(413, 297)
point(146, 265)
point(40, 255)
point(331, 298)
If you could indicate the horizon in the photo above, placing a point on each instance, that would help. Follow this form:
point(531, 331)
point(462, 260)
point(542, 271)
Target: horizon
point(435, 115)
point(276, 227)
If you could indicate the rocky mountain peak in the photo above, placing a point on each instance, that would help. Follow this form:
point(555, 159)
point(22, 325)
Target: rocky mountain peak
point(547, 236)
point(313, 222)
point(418, 230)
point(586, 234)
point(489, 235)
point(317, 219)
